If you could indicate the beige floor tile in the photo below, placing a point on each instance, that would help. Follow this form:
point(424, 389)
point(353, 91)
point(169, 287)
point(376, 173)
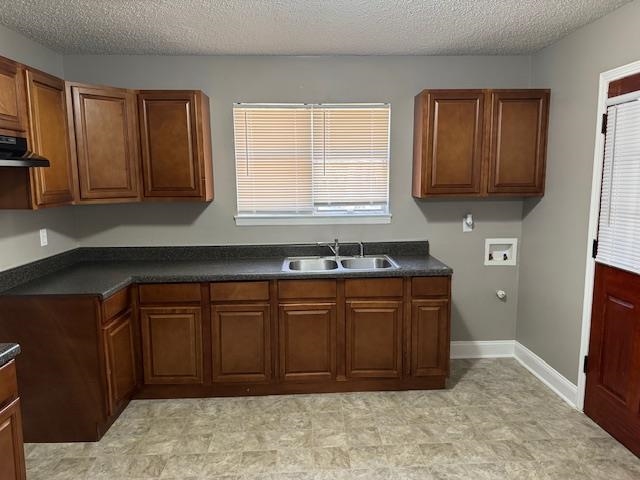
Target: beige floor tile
point(495, 421)
point(331, 458)
point(328, 437)
point(263, 461)
point(295, 460)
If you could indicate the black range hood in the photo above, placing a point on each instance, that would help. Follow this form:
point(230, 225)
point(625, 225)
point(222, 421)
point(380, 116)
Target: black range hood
point(14, 153)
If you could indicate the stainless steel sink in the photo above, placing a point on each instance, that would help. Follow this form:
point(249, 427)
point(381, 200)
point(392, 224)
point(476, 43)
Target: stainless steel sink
point(328, 264)
point(310, 264)
point(368, 263)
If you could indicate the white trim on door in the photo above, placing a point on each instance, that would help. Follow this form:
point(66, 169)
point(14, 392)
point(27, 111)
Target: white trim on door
point(598, 157)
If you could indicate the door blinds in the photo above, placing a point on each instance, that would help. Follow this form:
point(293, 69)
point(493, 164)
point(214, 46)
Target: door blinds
point(312, 159)
point(619, 225)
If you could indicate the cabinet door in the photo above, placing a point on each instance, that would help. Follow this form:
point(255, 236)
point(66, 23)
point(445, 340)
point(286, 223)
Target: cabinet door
point(176, 144)
point(241, 343)
point(172, 344)
point(12, 100)
point(49, 137)
point(374, 339)
point(12, 465)
point(120, 360)
point(518, 141)
point(107, 143)
point(307, 334)
point(429, 337)
point(448, 141)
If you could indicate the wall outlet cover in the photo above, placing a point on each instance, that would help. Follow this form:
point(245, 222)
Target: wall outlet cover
point(44, 241)
point(500, 251)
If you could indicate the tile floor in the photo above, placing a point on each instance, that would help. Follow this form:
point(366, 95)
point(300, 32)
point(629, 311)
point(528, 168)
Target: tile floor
point(496, 421)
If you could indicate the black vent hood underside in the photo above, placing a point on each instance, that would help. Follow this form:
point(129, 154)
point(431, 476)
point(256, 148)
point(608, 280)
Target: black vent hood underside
point(14, 153)
point(27, 160)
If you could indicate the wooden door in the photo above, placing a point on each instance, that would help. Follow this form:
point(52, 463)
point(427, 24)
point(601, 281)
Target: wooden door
point(49, 137)
point(307, 341)
point(172, 344)
point(106, 131)
point(12, 99)
point(612, 396)
point(374, 338)
point(176, 144)
point(12, 465)
point(241, 342)
point(120, 360)
point(518, 141)
point(429, 337)
point(448, 142)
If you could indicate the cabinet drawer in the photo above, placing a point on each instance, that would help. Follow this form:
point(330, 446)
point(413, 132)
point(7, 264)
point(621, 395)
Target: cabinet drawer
point(373, 287)
point(170, 293)
point(231, 291)
point(116, 304)
point(307, 289)
point(430, 287)
point(8, 383)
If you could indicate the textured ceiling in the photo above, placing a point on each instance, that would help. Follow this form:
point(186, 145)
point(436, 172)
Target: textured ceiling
point(300, 27)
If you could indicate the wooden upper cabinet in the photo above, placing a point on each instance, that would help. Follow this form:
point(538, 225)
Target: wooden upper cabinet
point(49, 137)
point(518, 141)
point(175, 136)
point(12, 100)
point(105, 121)
point(473, 143)
point(448, 142)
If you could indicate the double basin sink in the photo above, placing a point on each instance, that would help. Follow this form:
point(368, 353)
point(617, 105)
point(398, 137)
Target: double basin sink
point(324, 264)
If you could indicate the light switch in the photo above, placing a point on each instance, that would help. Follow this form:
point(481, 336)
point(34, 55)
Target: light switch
point(44, 241)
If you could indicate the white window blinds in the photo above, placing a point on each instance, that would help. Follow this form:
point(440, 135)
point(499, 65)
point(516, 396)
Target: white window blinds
point(312, 160)
point(619, 226)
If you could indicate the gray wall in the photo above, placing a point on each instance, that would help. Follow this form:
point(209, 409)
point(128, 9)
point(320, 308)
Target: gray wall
point(19, 237)
point(478, 315)
point(554, 229)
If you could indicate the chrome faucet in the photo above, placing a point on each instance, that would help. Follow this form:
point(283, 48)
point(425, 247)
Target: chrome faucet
point(335, 247)
point(361, 248)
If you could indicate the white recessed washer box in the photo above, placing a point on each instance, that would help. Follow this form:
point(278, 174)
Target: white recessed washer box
point(500, 251)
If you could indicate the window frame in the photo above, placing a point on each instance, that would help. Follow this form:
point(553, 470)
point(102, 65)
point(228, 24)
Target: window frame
point(332, 217)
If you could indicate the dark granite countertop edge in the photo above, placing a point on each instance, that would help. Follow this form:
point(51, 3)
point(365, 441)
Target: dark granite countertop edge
point(8, 351)
point(114, 272)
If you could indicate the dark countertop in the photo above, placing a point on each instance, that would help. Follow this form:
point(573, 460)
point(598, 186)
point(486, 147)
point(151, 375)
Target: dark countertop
point(8, 351)
point(105, 273)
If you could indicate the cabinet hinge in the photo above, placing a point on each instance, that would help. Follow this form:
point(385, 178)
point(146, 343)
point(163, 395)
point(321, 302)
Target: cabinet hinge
point(585, 364)
point(594, 248)
point(604, 123)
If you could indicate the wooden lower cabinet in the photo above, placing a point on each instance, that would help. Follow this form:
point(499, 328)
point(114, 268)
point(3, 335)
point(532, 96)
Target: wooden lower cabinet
point(172, 344)
point(12, 466)
point(120, 360)
point(374, 339)
point(307, 341)
point(241, 338)
point(429, 337)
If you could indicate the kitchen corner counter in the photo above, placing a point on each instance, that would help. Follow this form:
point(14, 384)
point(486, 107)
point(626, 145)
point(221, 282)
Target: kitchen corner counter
point(8, 351)
point(104, 272)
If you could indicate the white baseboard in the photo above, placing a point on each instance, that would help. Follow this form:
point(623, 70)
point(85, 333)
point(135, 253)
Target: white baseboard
point(532, 362)
point(487, 349)
point(547, 374)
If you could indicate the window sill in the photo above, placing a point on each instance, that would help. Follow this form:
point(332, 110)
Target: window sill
point(275, 220)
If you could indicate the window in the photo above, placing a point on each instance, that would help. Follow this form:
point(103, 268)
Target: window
point(619, 226)
point(300, 163)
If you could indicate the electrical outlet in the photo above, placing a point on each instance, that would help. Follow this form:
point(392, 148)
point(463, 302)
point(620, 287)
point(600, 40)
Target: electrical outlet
point(44, 241)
